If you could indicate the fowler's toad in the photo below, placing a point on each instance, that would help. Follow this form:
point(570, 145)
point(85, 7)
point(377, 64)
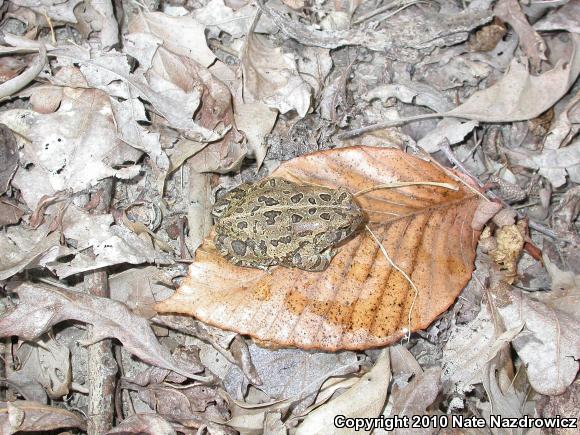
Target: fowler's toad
point(278, 222)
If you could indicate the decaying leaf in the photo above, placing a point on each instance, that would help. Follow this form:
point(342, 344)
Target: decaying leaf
point(549, 346)
point(111, 244)
point(566, 17)
point(271, 77)
point(402, 41)
point(22, 249)
point(412, 93)
point(366, 398)
point(416, 397)
point(9, 213)
point(565, 126)
point(360, 301)
point(567, 403)
point(450, 130)
point(256, 121)
point(149, 424)
point(191, 406)
point(471, 347)
point(218, 17)
point(129, 118)
point(306, 373)
point(42, 307)
point(48, 362)
point(518, 95)
point(105, 71)
point(505, 398)
point(182, 35)
point(532, 43)
point(61, 143)
point(26, 415)
point(556, 165)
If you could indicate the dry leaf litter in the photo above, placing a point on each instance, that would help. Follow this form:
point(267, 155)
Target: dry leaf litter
point(454, 124)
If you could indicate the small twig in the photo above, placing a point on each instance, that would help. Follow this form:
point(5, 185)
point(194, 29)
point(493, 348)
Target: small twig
point(475, 147)
point(446, 150)
point(392, 123)
point(102, 368)
point(402, 272)
point(49, 21)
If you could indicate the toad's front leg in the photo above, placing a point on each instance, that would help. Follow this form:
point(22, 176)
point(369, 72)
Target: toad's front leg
point(311, 260)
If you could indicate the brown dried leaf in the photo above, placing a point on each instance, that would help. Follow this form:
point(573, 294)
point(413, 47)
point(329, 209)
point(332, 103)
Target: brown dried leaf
point(26, 415)
point(62, 11)
point(415, 397)
point(360, 301)
point(61, 144)
point(271, 77)
point(42, 307)
point(549, 345)
point(518, 95)
point(304, 373)
point(48, 362)
point(183, 35)
point(9, 213)
point(138, 424)
point(364, 399)
point(532, 43)
point(566, 17)
point(191, 406)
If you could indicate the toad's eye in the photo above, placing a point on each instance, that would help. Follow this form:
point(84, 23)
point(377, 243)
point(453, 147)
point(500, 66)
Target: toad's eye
point(220, 208)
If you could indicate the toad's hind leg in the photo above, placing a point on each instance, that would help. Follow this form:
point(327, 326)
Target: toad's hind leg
point(313, 261)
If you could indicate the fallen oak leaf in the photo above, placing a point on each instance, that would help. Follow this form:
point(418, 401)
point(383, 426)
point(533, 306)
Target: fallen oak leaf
point(305, 374)
point(149, 424)
point(360, 301)
point(364, 399)
point(10, 213)
point(103, 69)
point(517, 96)
point(554, 164)
point(549, 345)
point(28, 416)
point(416, 397)
point(42, 307)
point(183, 35)
point(531, 42)
point(271, 77)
